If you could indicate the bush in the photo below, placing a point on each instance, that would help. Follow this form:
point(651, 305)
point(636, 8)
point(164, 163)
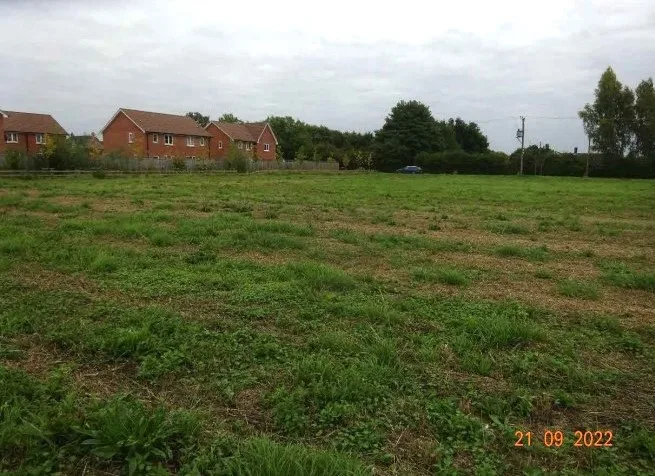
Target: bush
point(458, 161)
point(237, 160)
point(179, 163)
point(15, 160)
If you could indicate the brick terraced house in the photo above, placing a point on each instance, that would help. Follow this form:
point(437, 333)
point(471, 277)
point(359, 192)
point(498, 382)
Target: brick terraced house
point(155, 135)
point(255, 138)
point(26, 132)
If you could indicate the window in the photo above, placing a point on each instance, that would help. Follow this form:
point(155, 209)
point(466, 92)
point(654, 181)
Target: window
point(11, 138)
point(168, 139)
point(130, 137)
point(190, 142)
point(240, 145)
point(247, 145)
point(40, 139)
point(267, 147)
point(202, 141)
point(220, 144)
point(155, 138)
point(155, 157)
point(193, 157)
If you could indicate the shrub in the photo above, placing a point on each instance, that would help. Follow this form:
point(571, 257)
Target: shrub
point(178, 163)
point(15, 160)
point(237, 160)
point(458, 161)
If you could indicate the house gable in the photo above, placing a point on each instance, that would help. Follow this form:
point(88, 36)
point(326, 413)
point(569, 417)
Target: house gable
point(113, 118)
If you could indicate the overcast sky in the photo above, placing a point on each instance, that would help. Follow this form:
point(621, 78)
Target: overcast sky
point(340, 63)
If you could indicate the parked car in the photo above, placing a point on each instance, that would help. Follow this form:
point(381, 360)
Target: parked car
point(410, 169)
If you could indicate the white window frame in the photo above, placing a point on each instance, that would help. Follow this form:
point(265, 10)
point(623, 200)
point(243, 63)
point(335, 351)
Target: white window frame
point(130, 137)
point(248, 145)
point(190, 141)
point(193, 157)
point(168, 139)
point(155, 157)
point(267, 147)
point(12, 137)
point(202, 141)
point(240, 145)
point(39, 138)
point(155, 138)
point(220, 144)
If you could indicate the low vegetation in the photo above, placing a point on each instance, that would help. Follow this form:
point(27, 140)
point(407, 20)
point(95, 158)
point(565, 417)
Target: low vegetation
point(322, 324)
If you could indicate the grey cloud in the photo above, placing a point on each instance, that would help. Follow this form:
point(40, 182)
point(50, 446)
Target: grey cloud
point(82, 61)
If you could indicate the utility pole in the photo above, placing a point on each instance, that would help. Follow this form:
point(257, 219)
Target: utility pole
point(522, 141)
point(586, 170)
point(521, 134)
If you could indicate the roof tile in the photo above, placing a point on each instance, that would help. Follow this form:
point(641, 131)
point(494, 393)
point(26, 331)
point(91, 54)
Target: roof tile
point(248, 132)
point(30, 122)
point(165, 123)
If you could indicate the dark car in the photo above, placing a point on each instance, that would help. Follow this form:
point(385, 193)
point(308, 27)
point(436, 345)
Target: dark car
point(410, 169)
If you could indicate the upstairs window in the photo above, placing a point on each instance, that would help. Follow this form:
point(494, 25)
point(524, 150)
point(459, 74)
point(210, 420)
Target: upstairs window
point(202, 141)
point(11, 138)
point(168, 139)
point(220, 144)
point(267, 147)
point(40, 138)
point(130, 137)
point(190, 142)
point(155, 138)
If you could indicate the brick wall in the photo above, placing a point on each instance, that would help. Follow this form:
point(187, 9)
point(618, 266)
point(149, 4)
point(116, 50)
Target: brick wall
point(115, 137)
point(266, 138)
point(219, 138)
point(2, 134)
point(26, 143)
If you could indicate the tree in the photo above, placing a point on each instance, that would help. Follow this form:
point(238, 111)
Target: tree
point(229, 117)
point(200, 119)
point(609, 121)
point(645, 119)
point(301, 156)
point(408, 130)
point(468, 136)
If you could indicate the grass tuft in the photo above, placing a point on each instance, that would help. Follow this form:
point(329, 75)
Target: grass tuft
point(579, 289)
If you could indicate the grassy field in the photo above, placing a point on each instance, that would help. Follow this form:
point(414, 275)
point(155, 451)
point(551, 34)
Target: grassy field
point(326, 324)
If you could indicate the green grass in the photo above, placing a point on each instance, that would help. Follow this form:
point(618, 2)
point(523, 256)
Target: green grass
point(531, 253)
point(579, 289)
point(323, 324)
point(621, 275)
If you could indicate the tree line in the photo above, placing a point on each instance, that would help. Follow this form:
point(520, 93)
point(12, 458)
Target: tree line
point(620, 125)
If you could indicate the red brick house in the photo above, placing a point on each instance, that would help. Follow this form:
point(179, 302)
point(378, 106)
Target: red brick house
point(256, 138)
point(155, 135)
point(26, 132)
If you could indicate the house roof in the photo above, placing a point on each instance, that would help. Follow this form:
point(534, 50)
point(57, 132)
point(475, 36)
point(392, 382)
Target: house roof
point(248, 132)
point(162, 123)
point(30, 122)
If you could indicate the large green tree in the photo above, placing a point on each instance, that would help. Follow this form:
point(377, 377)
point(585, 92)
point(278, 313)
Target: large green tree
point(316, 141)
point(469, 137)
point(200, 119)
point(407, 131)
point(609, 120)
point(645, 119)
